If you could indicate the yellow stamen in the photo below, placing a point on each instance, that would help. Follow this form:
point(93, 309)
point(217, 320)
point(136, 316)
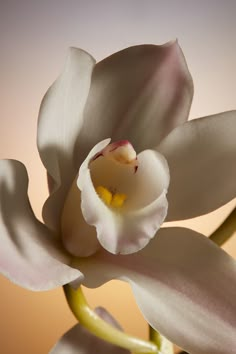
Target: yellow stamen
point(104, 194)
point(114, 200)
point(118, 200)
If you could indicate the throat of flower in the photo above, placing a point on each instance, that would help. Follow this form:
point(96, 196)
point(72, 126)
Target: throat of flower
point(115, 200)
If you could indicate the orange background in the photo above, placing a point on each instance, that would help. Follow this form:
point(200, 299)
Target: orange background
point(34, 41)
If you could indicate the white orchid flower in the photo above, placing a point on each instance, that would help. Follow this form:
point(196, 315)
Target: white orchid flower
point(105, 207)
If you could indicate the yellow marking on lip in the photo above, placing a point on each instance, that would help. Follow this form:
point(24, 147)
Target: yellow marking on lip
point(118, 200)
point(104, 194)
point(115, 200)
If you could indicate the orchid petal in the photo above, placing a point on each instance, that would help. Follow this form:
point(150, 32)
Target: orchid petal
point(79, 238)
point(30, 255)
point(60, 121)
point(144, 88)
point(79, 340)
point(184, 285)
point(129, 228)
point(202, 159)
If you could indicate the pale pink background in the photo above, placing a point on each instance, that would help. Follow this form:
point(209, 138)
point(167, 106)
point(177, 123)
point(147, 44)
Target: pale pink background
point(34, 37)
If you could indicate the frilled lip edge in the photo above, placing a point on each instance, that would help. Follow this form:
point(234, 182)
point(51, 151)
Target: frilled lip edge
point(130, 230)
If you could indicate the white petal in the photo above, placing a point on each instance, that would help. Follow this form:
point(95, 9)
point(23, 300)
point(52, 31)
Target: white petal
point(79, 238)
point(184, 285)
point(30, 255)
point(139, 94)
point(60, 121)
point(202, 159)
point(130, 228)
point(79, 340)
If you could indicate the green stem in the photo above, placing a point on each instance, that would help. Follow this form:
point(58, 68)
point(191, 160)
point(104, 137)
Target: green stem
point(163, 344)
point(89, 319)
point(154, 336)
point(225, 230)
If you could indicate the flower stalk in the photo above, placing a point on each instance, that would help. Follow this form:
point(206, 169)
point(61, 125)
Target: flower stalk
point(226, 230)
point(163, 344)
point(90, 320)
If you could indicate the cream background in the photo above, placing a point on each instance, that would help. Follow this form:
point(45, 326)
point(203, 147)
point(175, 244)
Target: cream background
point(34, 37)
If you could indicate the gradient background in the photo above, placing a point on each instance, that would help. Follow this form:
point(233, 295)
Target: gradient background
point(34, 37)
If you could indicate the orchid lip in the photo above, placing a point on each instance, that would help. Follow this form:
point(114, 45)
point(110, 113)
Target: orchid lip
point(126, 208)
point(118, 156)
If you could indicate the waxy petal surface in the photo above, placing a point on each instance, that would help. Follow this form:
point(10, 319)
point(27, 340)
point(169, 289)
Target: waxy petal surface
point(127, 229)
point(138, 94)
point(30, 255)
point(201, 155)
point(184, 285)
point(60, 121)
point(79, 340)
point(79, 238)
